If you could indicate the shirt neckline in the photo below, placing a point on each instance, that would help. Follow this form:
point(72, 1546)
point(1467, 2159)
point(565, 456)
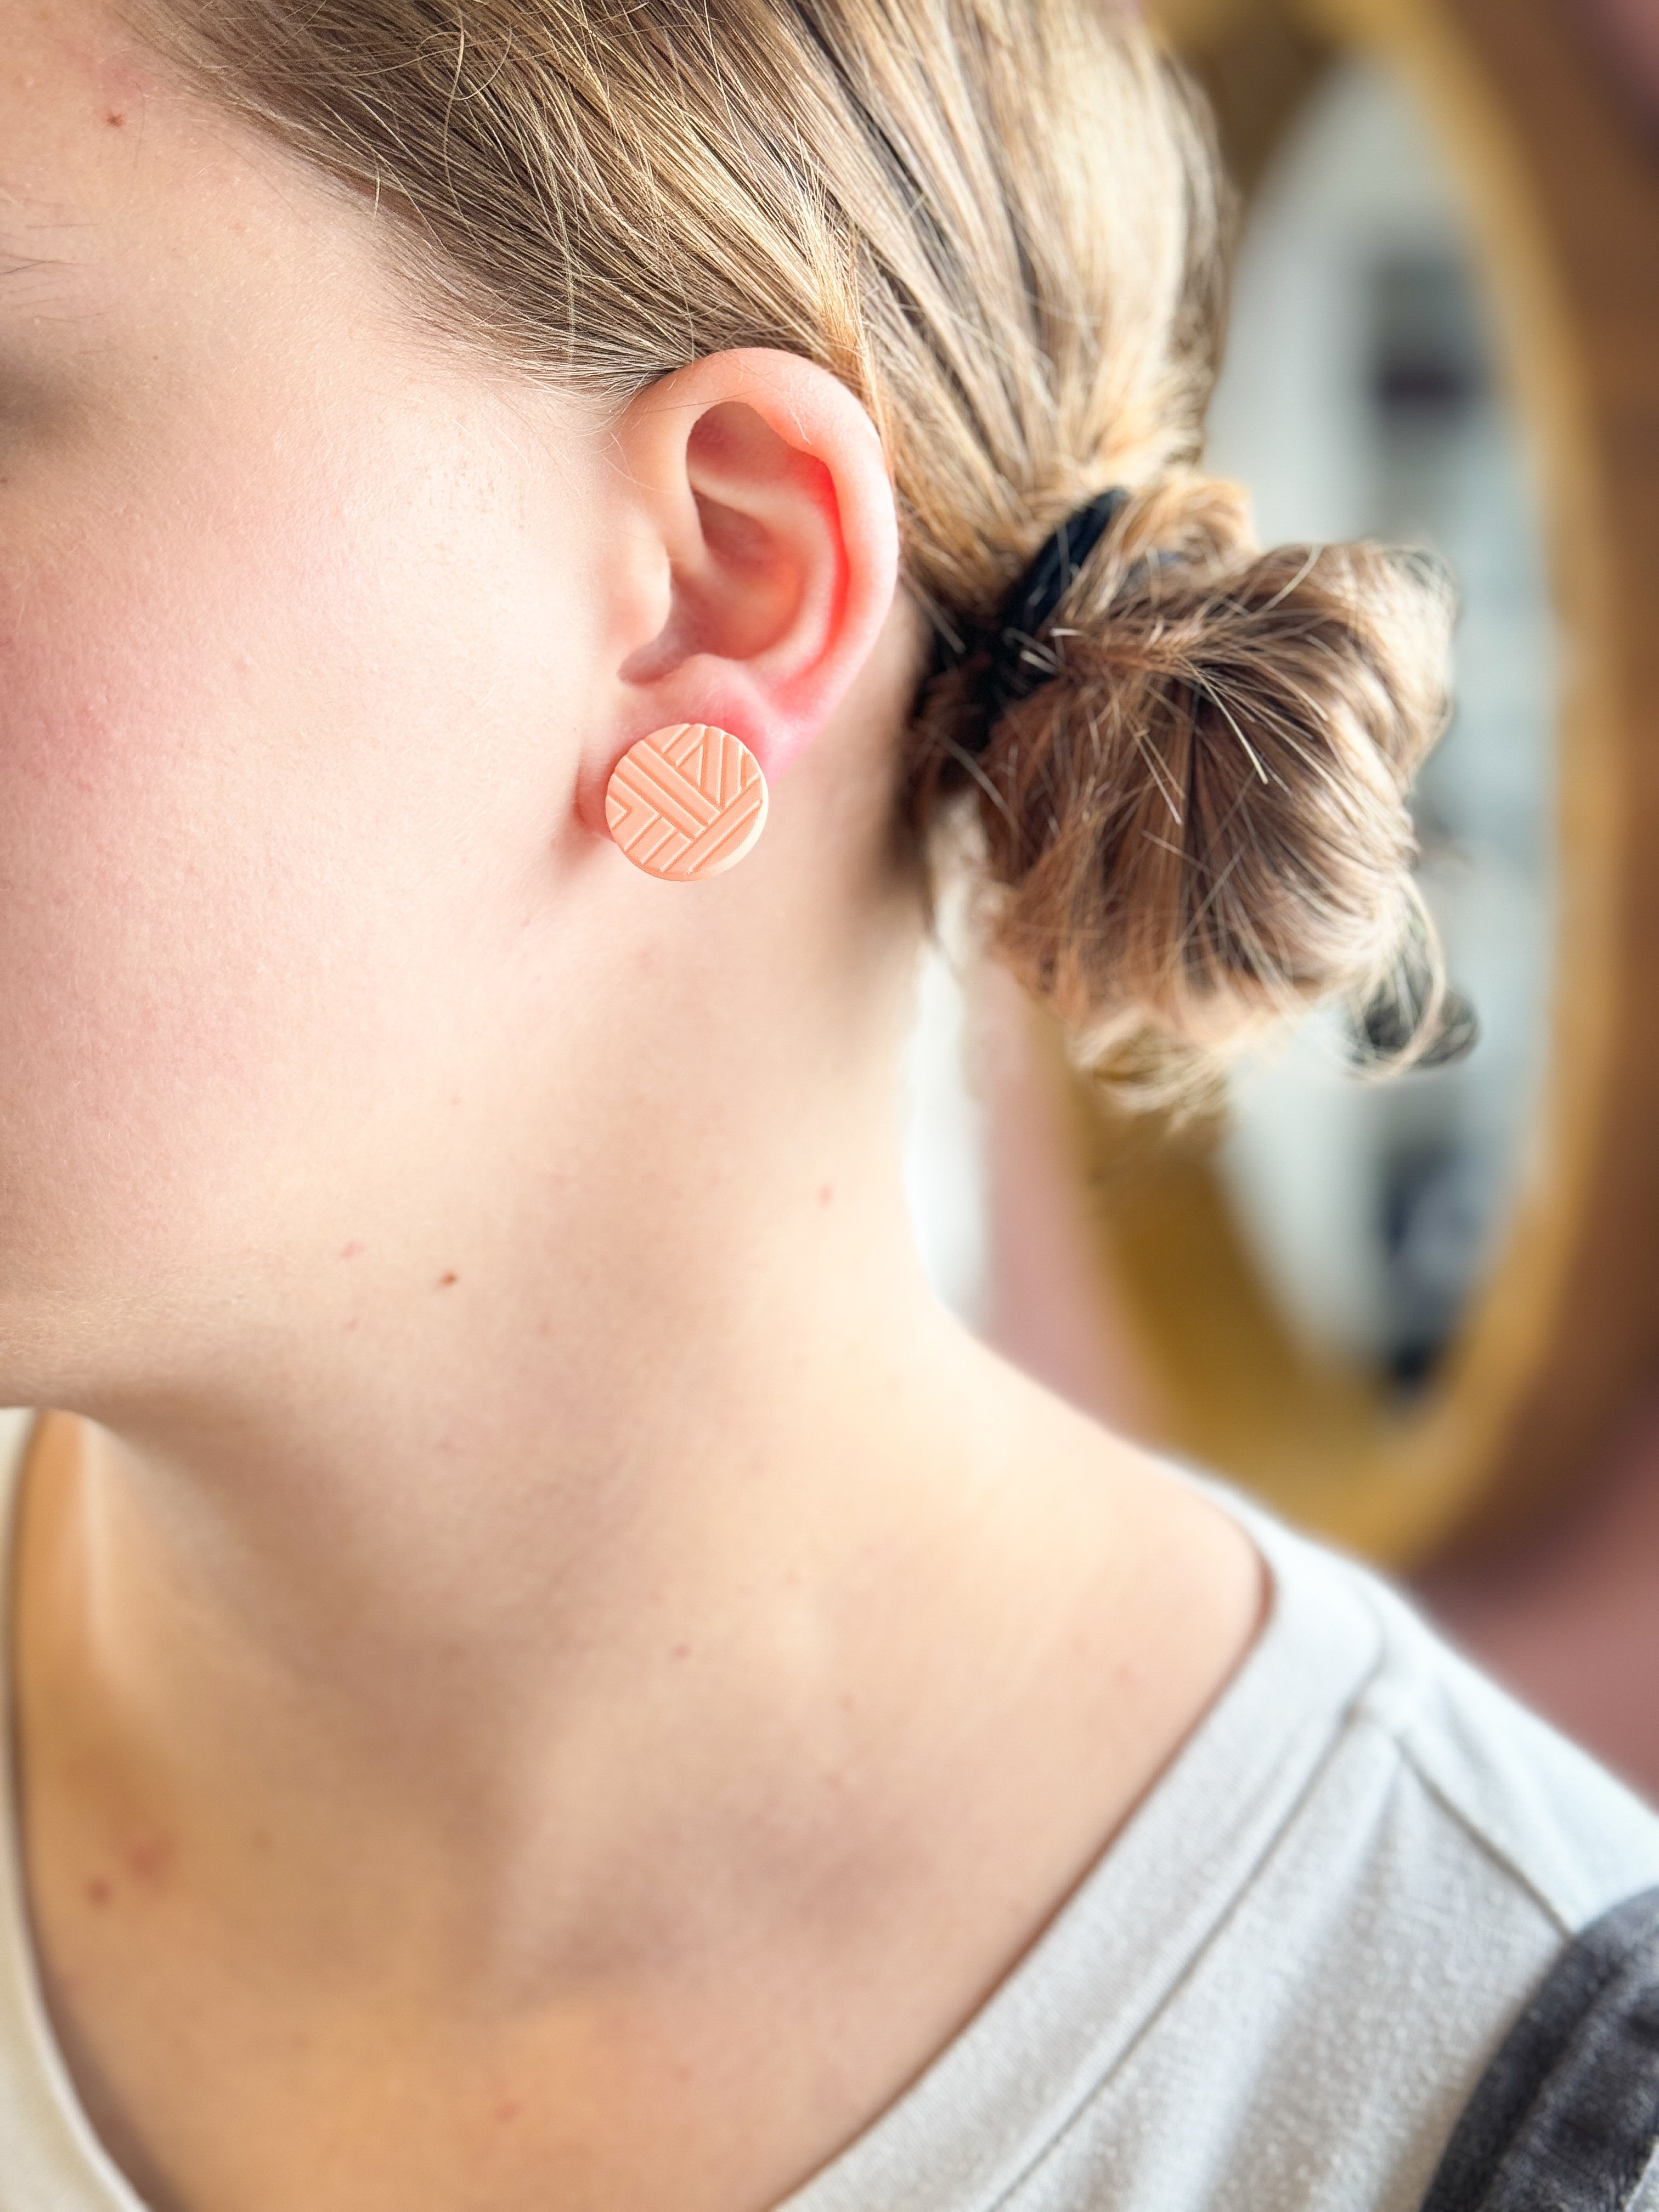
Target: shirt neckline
point(985, 2111)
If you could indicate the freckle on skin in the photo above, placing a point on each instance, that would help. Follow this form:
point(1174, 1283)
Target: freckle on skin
point(150, 1858)
point(449, 1282)
point(509, 2110)
point(114, 120)
point(98, 1892)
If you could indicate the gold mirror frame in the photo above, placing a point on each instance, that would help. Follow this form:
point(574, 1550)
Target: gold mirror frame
point(1563, 195)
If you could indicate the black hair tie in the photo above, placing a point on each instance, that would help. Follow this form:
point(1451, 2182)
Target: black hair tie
point(1010, 660)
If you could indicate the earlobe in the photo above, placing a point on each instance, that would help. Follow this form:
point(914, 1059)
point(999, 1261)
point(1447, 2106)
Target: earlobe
point(768, 492)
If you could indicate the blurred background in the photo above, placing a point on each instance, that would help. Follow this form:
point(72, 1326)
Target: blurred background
point(1421, 1318)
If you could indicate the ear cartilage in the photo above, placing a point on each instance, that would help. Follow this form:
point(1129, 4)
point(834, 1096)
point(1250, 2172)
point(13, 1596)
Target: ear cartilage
point(687, 802)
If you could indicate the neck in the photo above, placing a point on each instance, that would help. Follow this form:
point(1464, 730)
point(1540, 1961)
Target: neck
point(522, 1566)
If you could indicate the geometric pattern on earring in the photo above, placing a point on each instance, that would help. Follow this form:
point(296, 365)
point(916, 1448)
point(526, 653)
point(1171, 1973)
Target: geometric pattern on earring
point(687, 802)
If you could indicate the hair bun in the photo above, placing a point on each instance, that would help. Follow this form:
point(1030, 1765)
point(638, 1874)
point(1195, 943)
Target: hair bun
point(1198, 825)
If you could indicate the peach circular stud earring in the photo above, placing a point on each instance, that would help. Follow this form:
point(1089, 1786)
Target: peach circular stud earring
point(687, 802)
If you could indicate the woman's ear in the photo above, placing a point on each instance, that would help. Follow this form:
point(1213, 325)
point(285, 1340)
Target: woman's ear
point(767, 557)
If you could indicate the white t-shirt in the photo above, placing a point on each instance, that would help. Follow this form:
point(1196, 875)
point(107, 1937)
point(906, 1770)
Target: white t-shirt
point(1273, 1993)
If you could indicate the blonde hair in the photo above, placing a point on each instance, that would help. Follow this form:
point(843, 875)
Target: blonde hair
point(1000, 223)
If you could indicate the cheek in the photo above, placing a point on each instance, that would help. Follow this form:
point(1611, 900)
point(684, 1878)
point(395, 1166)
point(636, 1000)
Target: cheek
point(271, 779)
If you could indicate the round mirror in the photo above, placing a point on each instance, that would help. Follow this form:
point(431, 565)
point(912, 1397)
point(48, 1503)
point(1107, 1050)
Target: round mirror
point(1404, 1312)
point(1364, 396)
